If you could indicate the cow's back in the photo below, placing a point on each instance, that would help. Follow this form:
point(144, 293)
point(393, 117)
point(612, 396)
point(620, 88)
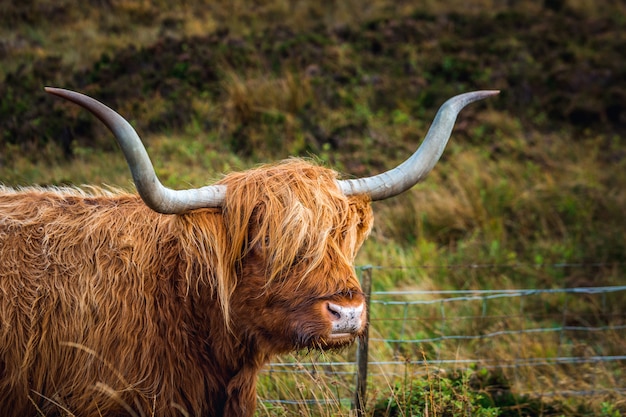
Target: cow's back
point(80, 279)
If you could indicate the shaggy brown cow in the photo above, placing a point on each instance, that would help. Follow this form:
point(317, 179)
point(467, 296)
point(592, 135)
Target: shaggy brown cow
point(170, 303)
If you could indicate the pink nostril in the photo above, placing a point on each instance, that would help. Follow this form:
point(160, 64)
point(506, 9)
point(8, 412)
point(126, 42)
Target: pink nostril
point(334, 310)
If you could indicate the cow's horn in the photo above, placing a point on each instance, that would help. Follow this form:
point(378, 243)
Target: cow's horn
point(154, 194)
point(414, 169)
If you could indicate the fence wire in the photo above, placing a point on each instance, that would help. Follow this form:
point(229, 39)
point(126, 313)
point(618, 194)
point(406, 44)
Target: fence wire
point(550, 342)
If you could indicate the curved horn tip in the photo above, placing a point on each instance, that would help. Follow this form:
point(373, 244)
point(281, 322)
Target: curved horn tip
point(488, 93)
point(54, 90)
point(73, 96)
point(467, 98)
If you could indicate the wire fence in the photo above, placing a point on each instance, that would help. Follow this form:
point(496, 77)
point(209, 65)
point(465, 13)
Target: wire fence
point(550, 342)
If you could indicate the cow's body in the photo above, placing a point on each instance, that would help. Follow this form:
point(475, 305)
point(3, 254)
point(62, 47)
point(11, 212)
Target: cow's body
point(91, 287)
point(107, 304)
point(170, 303)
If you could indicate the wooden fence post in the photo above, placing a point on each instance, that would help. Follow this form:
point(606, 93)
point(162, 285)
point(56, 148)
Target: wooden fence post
point(358, 406)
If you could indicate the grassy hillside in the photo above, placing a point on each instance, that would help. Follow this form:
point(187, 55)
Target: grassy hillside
point(535, 176)
point(218, 87)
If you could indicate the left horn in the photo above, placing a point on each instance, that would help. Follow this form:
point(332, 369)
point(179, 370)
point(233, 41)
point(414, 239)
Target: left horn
point(413, 170)
point(159, 198)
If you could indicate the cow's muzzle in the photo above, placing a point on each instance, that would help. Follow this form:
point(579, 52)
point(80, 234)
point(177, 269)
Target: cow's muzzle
point(346, 320)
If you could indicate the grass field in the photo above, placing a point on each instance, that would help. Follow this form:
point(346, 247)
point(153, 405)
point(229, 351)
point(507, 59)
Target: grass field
point(536, 176)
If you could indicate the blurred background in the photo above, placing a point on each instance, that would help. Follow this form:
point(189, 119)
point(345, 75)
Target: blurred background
point(531, 187)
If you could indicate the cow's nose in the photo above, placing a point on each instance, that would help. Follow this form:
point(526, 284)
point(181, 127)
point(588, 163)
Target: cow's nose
point(345, 318)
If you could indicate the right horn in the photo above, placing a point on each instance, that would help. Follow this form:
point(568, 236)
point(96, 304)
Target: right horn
point(413, 170)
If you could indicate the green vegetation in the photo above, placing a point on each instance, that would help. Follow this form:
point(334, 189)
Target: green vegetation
point(534, 177)
point(476, 393)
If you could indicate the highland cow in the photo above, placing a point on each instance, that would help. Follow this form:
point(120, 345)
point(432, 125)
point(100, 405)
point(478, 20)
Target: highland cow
point(170, 302)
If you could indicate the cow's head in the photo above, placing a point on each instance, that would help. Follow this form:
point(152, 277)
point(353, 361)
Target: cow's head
point(294, 236)
point(293, 230)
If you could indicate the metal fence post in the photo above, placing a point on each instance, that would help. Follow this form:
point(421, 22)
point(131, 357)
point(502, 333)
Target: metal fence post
point(358, 406)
